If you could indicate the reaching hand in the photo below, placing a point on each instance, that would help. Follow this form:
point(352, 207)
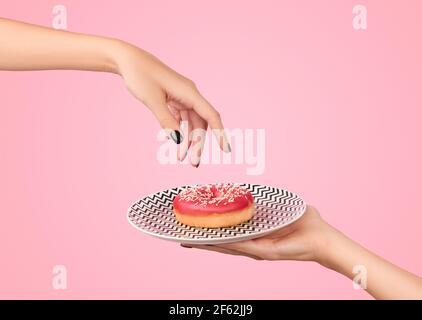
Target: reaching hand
point(172, 98)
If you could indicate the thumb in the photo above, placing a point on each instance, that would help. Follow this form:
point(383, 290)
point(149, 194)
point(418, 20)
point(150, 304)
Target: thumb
point(167, 121)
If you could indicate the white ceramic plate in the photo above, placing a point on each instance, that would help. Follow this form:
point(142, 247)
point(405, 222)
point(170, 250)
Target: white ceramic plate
point(275, 209)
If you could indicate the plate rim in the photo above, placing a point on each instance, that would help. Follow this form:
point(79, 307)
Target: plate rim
point(216, 241)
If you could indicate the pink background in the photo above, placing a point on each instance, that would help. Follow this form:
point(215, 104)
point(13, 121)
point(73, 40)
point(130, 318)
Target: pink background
point(342, 113)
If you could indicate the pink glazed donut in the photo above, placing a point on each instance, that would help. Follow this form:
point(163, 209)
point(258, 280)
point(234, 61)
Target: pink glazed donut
point(214, 205)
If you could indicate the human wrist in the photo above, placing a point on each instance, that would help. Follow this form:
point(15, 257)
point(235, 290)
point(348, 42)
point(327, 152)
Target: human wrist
point(340, 253)
point(120, 54)
point(328, 246)
point(113, 51)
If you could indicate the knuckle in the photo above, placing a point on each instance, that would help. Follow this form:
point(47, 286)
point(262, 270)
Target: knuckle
point(190, 84)
point(216, 115)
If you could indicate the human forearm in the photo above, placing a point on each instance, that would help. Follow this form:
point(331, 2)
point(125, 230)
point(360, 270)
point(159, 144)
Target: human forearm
point(311, 238)
point(384, 280)
point(29, 47)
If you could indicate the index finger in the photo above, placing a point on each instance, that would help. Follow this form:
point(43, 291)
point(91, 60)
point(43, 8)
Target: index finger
point(206, 111)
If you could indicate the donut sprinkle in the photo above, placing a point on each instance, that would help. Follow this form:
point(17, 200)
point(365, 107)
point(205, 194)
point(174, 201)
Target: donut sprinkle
point(214, 205)
point(220, 194)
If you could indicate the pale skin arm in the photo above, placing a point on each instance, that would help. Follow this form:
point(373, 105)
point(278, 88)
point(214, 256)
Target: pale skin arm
point(171, 97)
point(312, 239)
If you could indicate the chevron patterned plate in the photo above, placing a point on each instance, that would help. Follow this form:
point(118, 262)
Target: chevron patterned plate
point(275, 209)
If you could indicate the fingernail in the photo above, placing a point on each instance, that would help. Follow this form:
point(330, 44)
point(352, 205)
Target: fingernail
point(227, 148)
point(185, 246)
point(196, 165)
point(183, 157)
point(176, 136)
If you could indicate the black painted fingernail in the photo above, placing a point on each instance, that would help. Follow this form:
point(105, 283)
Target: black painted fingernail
point(176, 136)
point(185, 246)
point(229, 147)
point(196, 165)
